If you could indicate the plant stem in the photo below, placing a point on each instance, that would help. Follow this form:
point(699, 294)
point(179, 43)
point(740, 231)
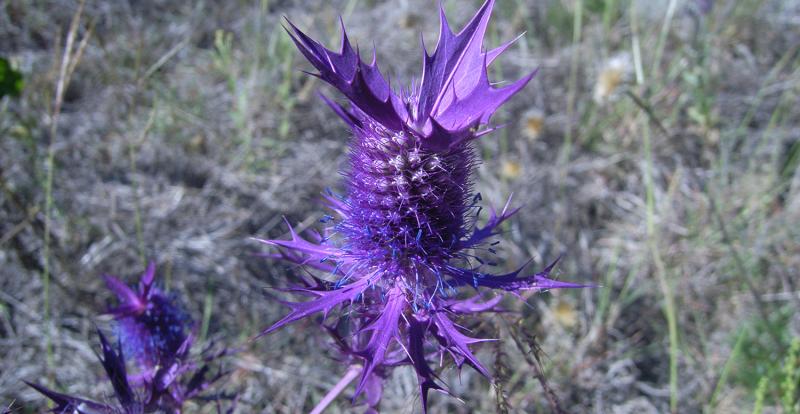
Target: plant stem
point(661, 274)
point(337, 389)
point(577, 24)
point(68, 63)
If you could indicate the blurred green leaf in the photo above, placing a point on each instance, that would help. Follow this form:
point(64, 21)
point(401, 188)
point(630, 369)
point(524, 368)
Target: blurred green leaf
point(10, 79)
point(596, 6)
point(758, 357)
point(791, 162)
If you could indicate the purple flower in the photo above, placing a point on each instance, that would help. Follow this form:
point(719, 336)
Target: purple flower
point(151, 325)
point(155, 330)
point(406, 237)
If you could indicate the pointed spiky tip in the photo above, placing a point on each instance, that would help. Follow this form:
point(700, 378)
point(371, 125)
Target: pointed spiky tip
point(407, 241)
point(64, 403)
point(452, 101)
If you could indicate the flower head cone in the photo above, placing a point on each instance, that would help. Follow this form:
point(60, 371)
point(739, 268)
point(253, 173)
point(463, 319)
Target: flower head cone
point(151, 325)
point(404, 240)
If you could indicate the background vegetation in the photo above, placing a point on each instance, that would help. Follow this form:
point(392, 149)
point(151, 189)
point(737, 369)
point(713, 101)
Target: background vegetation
point(657, 148)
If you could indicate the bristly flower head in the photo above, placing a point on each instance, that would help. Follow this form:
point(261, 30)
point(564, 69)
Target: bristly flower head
point(151, 325)
point(405, 238)
point(155, 330)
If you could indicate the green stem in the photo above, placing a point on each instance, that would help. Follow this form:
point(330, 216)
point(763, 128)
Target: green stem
point(661, 274)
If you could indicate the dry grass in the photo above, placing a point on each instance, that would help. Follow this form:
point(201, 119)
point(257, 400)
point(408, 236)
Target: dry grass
point(185, 129)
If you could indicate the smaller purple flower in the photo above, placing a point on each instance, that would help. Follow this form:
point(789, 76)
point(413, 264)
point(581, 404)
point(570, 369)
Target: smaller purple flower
point(151, 325)
point(155, 331)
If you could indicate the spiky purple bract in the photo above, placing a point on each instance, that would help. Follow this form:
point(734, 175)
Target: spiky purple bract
point(114, 364)
point(405, 235)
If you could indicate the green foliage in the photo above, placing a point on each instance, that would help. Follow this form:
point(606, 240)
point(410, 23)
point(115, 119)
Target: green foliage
point(697, 82)
point(791, 162)
point(610, 11)
point(261, 51)
point(790, 373)
point(10, 79)
point(791, 378)
point(757, 358)
point(773, 380)
point(559, 20)
point(223, 57)
point(761, 393)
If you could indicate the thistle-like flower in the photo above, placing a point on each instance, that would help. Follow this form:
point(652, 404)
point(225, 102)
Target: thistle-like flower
point(155, 331)
point(406, 236)
point(151, 325)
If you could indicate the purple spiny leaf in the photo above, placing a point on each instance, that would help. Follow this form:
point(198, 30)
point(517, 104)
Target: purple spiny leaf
point(511, 282)
point(426, 378)
point(324, 303)
point(481, 234)
point(69, 404)
point(384, 330)
point(473, 305)
point(114, 364)
point(457, 343)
